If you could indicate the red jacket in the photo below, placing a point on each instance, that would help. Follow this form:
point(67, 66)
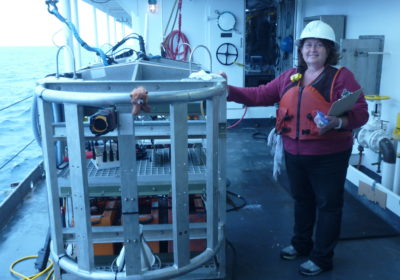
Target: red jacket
point(273, 92)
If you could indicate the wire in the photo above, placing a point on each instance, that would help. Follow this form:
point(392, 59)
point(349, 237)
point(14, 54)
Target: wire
point(230, 201)
point(175, 38)
point(229, 244)
point(47, 270)
point(171, 44)
point(100, 2)
point(142, 50)
point(236, 123)
point(54, 11)
point(19, 101)
point(14, 156)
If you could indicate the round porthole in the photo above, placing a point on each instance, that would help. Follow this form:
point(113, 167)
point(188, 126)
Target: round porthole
point(226, 21)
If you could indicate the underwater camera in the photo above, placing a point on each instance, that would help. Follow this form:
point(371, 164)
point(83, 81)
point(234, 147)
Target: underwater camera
point(103, 121)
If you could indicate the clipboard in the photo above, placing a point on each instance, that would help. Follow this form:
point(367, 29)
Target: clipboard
point(344, 104)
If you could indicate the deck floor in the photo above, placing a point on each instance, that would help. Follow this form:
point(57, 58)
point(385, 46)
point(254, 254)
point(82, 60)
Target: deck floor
point(369, 249)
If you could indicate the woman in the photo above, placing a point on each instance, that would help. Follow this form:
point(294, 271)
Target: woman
point(316, 158)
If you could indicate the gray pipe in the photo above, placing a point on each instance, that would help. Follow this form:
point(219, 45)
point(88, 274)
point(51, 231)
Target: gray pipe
point(71, 266)
point(106, 99)
point(35, 121)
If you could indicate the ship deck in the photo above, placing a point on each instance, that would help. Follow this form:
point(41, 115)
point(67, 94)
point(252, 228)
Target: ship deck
point(369, 247)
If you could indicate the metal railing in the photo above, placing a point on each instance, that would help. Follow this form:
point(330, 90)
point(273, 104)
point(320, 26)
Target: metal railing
point(85, 237)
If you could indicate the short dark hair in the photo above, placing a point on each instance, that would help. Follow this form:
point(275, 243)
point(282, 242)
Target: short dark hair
point(331, 49)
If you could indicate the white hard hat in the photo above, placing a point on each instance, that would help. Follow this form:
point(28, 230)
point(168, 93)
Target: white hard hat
point(317, 29)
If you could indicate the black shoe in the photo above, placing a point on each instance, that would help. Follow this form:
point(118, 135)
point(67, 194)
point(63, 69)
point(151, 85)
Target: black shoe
point(309, 268)
point(289, 253)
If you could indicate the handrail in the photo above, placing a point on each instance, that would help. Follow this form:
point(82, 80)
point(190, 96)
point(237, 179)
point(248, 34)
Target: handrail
point(73, 60)
point(191, 56)
point(106, 98)
point(71, 266)
point(185, 44)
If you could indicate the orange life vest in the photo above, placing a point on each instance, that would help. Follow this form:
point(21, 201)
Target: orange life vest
point(298, 107)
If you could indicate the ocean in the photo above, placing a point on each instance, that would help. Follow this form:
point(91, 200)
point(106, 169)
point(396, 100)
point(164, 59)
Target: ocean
point(21, 68)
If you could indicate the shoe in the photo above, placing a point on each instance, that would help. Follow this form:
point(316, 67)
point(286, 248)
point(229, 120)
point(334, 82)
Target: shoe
point(289, 253)
point(309, 268)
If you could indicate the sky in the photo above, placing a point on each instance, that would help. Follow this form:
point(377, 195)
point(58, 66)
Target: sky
point(26, 23)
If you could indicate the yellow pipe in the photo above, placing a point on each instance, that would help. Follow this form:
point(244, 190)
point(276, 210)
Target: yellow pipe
point(396, 131)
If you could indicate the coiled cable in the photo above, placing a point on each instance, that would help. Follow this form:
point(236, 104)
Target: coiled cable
point(49, 270)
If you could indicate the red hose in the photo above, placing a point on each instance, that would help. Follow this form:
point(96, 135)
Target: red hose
point(174, 39)
point(238, 122)
point(171, 45)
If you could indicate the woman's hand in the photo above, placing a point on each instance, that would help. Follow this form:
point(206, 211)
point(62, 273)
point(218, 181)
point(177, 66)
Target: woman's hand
point(334, 123)
point(139, 100)
point(223, 74)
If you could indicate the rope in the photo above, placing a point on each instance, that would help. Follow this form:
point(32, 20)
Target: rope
point(13, 157)
point(72, 28)
point(12, 104)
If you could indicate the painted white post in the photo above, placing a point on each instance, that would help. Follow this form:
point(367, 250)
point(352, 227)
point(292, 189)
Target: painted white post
point(77, 47)
point(108, 30)
point(65, 9)
point(96, 34)
point(396, 183)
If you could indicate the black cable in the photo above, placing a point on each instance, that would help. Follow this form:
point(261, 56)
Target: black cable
point(127, 53)
point(142, 50)
point(62, 165)
point(43, 254)
point(234, 257)
point(231, 202)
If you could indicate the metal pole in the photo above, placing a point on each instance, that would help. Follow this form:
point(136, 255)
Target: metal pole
point(129, 190)
point(96, 35)
point(79, 185)
point(179, 180)
point(65, 8)
point(77, 47)
point(108, 30)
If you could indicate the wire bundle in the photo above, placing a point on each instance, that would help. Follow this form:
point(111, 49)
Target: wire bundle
point(176, 38)
point(172, 43)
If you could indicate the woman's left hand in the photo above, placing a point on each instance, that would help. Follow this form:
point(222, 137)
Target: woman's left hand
point(333, 123)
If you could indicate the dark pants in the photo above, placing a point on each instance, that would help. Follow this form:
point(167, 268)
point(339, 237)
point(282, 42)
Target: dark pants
point(317, 186)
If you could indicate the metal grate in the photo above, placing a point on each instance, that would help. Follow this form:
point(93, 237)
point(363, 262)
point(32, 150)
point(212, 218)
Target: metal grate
point(158, 162)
